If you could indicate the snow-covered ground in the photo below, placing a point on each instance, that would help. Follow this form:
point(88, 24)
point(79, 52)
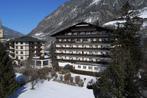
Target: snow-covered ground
point(52, 89)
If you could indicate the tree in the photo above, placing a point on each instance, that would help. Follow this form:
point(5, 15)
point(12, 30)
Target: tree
point(53, 56)
point(120, 79)
point(125, 8)
point(7, 76)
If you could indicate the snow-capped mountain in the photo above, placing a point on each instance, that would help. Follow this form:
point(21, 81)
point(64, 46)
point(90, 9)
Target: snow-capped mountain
point(92, 11)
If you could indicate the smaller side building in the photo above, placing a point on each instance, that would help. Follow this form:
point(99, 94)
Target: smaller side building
point(26, 47)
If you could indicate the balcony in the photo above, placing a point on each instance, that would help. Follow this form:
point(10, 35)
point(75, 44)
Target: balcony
point(84, 55)
point(77, 61)
point(83, 48)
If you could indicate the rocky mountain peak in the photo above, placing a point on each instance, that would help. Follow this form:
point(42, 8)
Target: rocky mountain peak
point(74, 11)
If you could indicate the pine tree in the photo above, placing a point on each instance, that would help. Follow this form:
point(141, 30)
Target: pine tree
point(125, 8)
point(120, 79)
point(7, 81)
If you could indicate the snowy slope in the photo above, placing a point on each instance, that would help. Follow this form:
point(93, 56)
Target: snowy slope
point(51, 89)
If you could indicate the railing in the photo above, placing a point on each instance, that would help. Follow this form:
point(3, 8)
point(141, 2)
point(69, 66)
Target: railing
point(83, 48)
point(74, 61)
point(86, 55)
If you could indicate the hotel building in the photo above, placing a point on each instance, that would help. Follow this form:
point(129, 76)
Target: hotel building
point(84, 46)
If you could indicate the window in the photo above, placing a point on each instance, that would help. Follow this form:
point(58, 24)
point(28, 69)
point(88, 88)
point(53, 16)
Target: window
point(21, 42)
point(16, 47)
point(16, 52)
point(21, 57)
point(21, 52)
point(84, 67)
point(38, 63)
point(45, 63)
point(21, 47)
point(90, 67)
point(95, 68)
point(79, 66)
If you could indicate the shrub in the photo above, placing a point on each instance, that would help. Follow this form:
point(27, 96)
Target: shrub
point(77, 79)
point(67, 77)
point(53, 73)
point(71, 79)
point(43, 73)
point(81, 83)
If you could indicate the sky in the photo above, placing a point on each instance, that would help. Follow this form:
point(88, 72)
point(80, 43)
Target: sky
point(24, 15)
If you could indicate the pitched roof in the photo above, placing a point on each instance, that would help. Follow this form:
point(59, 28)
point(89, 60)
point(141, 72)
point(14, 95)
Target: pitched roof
point(80, 24)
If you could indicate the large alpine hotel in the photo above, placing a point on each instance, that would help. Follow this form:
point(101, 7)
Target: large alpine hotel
point(84, 46)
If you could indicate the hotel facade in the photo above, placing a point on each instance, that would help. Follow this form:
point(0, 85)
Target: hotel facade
point(84, 46)
point(24, 48)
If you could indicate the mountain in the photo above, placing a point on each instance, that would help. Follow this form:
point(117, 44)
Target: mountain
point(74, 11)
point(10, 33)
